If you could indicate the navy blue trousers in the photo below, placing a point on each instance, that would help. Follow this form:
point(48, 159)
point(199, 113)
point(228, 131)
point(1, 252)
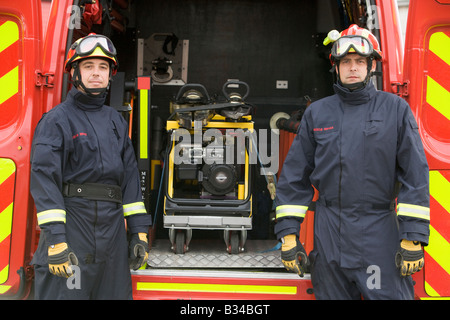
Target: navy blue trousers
point(97, 281)
point(332, 282)
point(95, 231)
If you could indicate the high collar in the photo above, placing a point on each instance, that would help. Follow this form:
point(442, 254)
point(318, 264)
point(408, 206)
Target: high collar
point(85, 102)
point(356, 97)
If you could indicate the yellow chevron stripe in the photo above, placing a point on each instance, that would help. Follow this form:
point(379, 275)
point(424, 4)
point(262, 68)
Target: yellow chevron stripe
point(6, 222)
point(439, 44)
point(3, 278)
point(432, 293)
point(430, 290)
point(9, 84)
point(438, 97)
point(439, 249)
point(3, 289)
point(7, 168)
point(440, 189)
point(9, 33)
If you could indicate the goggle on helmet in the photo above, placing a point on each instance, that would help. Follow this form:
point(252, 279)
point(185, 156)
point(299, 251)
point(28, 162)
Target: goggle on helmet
point(351, 44)
point(353, 40)
point(92, 46)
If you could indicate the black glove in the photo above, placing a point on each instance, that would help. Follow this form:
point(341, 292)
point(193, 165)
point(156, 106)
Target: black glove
point(60, 260)
point(293, 255)
point(138, 250)
point(409, 258)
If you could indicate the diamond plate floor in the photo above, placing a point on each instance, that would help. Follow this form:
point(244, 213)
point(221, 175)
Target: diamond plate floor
point(213, 254)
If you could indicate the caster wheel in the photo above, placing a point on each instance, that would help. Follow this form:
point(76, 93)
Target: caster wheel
point(180, 243)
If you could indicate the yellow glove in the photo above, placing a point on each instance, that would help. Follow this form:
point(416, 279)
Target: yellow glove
point(60, 260)
point(138, 250)
point(293, 255)
point(409, 258)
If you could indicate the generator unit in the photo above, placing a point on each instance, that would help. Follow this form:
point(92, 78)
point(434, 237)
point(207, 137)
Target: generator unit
point(207, 167)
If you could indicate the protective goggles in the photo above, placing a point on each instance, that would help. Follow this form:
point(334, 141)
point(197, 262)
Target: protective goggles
point(88, 44)
point(344, 44)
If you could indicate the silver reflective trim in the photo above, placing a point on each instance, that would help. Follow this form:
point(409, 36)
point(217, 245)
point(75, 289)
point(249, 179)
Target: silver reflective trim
point(54, 215)
point(133, 208)
point(415, 211)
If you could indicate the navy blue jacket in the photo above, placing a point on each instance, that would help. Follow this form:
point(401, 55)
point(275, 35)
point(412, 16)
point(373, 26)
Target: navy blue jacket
point(354, 147)
point(79, 141)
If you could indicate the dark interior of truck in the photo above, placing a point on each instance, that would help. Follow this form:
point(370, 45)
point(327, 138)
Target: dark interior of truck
point(275, 47)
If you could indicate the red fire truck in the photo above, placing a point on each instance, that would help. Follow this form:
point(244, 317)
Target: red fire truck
point(274, 51)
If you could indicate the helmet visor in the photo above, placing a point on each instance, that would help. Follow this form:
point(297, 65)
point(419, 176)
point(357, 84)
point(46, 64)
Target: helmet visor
point(345, 44)
point(90, 43)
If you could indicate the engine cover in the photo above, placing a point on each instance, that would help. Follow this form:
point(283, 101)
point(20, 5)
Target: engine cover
point(219, 179)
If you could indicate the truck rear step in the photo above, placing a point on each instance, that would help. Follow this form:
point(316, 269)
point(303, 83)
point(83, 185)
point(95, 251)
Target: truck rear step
point(211, 254)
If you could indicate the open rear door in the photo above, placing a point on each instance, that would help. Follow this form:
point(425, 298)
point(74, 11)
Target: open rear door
point(427, 89)
point(30, 81)
point(20, 36)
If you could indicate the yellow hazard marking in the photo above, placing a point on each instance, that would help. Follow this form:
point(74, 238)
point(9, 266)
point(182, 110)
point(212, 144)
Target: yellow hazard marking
point(9, 33)
point(9, 84)
point(7, 168)
point(143, 121)
point(433, 295)
point(439, 44)
point(217, 288)
point(3, 289)
point(439, 249)
point(439, 189)
point(5, 222)
point(3, 278)
point(430, 290)
point(438, 97)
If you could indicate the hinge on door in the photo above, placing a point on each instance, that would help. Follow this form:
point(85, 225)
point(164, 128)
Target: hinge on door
point(44, 79)
point(400, 89)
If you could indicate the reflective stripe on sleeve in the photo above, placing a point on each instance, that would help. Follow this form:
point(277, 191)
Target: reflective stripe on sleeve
point(291, 211)
point(54, 215)
point(133, 208)
point(415, 211)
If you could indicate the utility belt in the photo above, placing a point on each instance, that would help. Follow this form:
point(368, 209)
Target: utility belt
point(93, 191)
point(378, 206)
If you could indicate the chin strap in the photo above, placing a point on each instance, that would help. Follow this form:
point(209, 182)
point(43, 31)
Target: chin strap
point(77, 82)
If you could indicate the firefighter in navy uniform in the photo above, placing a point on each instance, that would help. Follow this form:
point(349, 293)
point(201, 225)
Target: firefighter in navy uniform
point(86, 187)
point(360, 148)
